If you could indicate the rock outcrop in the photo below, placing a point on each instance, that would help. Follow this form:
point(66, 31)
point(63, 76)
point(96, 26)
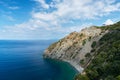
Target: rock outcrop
point(75, 47)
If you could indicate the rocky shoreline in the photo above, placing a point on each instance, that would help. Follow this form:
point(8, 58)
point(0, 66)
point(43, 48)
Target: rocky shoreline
point(77, 48)
point(76, 66)
point(73, 64)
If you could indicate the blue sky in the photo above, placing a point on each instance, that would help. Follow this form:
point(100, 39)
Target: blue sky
point(53, 19)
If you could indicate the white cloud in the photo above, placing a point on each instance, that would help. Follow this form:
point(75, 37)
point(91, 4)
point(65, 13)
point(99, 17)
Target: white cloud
point(85, 9)
point(43, 3)
point(67, 10)
point(8, 17)
point(13, 7)
point(51, 24)
point(43, 16)
point(108, 22)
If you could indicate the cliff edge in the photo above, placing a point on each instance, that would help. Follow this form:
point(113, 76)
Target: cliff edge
point(76, 48)
point(94, 52)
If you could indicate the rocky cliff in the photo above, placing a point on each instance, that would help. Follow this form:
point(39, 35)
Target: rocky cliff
point(105, 63)
point(76, 48)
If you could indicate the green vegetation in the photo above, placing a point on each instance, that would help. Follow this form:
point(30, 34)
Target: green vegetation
point(88, 55)
point(118, 77)
point(89, 38)
point(82, 61)
point(84, 42)
point(75, 43)
point(111, 27)
point(106, 64)
point(81, 34)
point(93, 50)
point(93, 44)
point(81, 77)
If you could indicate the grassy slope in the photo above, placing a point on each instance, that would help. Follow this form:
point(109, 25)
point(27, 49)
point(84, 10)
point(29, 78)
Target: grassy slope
point(106, 64)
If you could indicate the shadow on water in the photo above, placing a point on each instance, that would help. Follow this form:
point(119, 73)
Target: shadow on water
point(64, 70)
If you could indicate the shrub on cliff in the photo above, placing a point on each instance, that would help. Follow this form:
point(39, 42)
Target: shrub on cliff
point(93, 44)
point(106, 62)
point(81, 77)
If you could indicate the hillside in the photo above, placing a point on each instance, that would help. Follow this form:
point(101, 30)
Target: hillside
point(94, 51)
point(106, 62)
point(74, 47)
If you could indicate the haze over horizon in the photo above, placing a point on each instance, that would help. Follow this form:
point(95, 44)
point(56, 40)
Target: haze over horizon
point(53, 19)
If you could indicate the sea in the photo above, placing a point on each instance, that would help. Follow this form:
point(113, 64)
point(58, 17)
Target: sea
point(23, 60)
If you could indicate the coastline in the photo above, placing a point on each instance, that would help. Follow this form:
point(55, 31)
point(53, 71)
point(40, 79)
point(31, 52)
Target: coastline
point(77, 67)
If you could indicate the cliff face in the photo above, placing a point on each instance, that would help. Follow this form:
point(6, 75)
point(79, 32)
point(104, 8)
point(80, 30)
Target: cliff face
point(96, 49)
point(105, 63)
point(75, 47)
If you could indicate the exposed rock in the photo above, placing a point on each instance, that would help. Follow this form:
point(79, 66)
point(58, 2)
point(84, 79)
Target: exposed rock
point(75, 46)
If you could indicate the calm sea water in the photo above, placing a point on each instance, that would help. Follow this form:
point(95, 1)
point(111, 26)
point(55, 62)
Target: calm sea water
point(22, 60)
